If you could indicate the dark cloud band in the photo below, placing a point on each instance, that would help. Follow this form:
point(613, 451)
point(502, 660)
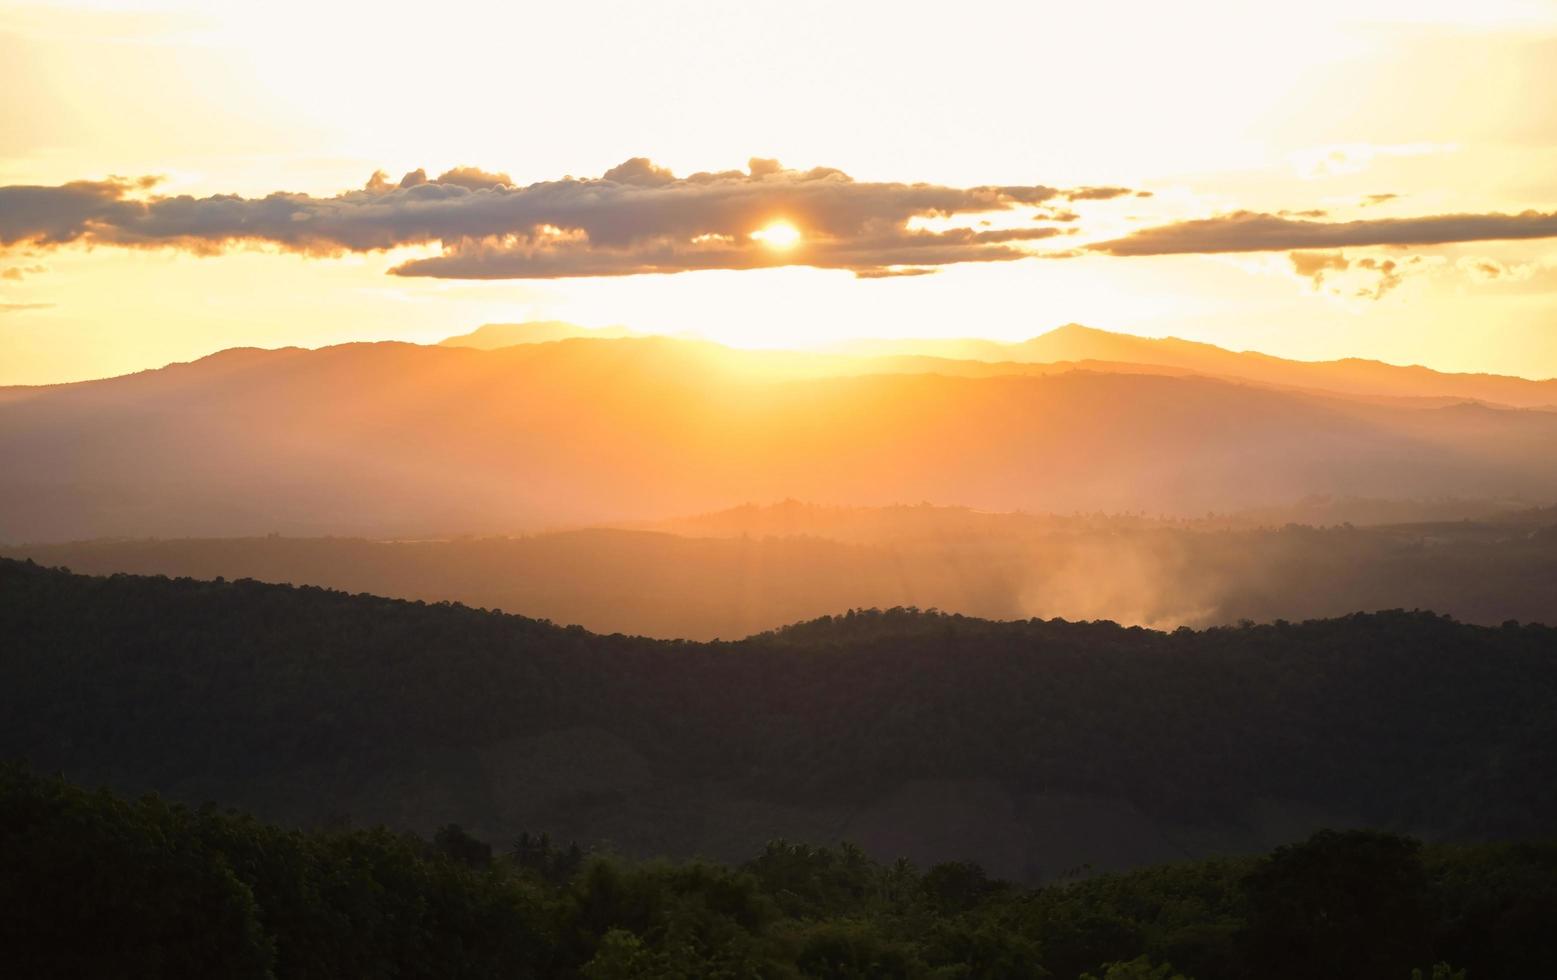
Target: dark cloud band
point(1249, 231)
point(635, 218)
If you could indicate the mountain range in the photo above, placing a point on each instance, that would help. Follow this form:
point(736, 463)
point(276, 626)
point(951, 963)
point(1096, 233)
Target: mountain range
point(402, 440)
point(1347, 376)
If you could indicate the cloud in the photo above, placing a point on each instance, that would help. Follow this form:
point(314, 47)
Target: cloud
point(635, 218)
point(23, 307)
point(893, 273)
point(1368, 200)
point(1351, 158)
point(1485, 270)
point(559, 254)
point(1360, 278)
point(1314, 265)
point(17, 273)
point(1102, 193)
point(1249, 231)
point(1056, 214)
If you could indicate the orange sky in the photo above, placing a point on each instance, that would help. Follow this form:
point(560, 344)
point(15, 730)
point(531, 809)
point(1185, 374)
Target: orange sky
point(1425, 132)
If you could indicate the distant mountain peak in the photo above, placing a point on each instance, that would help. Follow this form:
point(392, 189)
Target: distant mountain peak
point(491, 336)
point(1353, 376)
point(1066, 330)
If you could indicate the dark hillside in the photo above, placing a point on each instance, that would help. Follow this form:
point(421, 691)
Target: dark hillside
point(1036, 745)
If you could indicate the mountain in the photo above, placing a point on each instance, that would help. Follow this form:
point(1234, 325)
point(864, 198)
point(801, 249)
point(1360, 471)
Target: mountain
point(399, 440)
point(491, 336)
point(797, 363)
point(1032, 747)
point(1349, 376)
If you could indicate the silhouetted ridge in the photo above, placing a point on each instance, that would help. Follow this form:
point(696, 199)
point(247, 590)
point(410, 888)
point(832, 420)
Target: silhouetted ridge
point(304, 702)
point(737, 572)
point(1353, 376)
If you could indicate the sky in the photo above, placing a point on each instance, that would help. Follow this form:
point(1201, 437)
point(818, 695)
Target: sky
point(1332, 179)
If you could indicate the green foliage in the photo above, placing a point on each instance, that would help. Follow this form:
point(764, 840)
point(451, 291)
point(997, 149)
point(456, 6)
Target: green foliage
point(94, 886)
point(217, 687)
point(453, 842)
point(854, 950)
point(98, 887)
point(621, 955)
point(537, 854)
point(1140, 968)
point(231, 690)
point(956, 886)
point(1344, 905)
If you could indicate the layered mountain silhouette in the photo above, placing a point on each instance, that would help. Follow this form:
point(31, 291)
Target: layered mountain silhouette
point(394, 439)
point(738, 572)
point(1350, 376)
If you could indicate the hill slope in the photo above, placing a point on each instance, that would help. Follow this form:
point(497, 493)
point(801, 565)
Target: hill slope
point(1031, 746)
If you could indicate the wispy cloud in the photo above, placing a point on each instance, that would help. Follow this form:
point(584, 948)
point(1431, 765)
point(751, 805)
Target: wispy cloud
point(1482, 269)
point(17, 273)
point(1250, 231)
point(1351, 158)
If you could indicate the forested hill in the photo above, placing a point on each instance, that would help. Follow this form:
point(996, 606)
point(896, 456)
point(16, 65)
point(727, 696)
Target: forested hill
point(94, 886)
point(1032, 746)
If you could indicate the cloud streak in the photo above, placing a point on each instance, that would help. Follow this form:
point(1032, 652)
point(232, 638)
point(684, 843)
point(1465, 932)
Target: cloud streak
point(1250, 231)
point(636, 218)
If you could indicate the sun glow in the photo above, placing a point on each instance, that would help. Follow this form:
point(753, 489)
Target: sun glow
point(779, 234)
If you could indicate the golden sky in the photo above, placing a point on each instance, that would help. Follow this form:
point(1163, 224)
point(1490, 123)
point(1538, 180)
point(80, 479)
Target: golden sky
point(1319, 181)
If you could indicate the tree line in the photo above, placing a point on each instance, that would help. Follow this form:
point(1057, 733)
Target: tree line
point(99, 886)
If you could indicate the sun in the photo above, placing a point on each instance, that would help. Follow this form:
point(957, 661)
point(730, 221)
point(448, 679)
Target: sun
point(779, 234)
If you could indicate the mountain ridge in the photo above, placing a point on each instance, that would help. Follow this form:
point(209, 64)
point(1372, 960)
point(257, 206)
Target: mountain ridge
point(1349, 376)
point(392, 439)
point(1037, 745)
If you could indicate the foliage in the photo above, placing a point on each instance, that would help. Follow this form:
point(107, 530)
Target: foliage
point(95, 886)
point(304, 703)
point(223, 690)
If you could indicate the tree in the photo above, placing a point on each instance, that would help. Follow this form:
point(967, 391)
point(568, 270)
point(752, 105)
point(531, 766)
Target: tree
point(453, 842)
point(1140, 968)
point(1340, 905)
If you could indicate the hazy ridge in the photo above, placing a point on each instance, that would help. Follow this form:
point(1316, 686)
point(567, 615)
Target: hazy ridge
point(733, 573)
point(403, 440)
